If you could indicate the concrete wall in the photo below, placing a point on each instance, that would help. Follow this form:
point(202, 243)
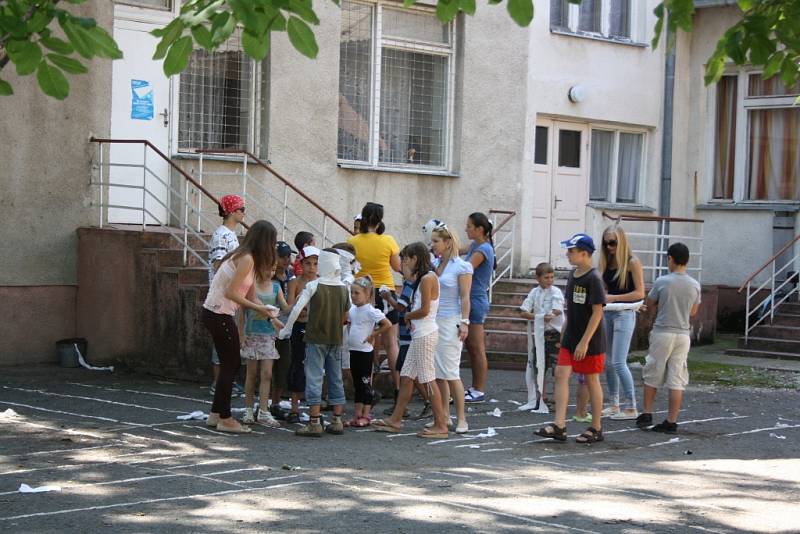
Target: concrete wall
point(44, 197)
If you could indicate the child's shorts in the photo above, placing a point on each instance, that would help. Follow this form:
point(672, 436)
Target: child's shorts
point(259, 348)
point(666, 362)
point(590, 365)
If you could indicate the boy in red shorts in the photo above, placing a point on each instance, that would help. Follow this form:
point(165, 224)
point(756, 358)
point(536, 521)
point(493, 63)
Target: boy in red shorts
point(583, 341)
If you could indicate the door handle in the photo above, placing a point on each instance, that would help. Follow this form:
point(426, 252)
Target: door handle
point(556, 200)
point(165, 114)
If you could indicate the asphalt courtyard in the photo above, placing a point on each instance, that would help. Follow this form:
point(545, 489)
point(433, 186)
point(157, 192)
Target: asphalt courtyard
point(123, 462)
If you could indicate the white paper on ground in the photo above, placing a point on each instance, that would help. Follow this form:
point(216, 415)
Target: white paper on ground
point(493, 400)
point(24, 488)
point(490, 433)
point(194, 416)
point(497, 412)
point(286, 405)
point(8, 414)
point(304, 417)
point(781, 425)
point(86, 365)
point(515, 402)
point(773, 435)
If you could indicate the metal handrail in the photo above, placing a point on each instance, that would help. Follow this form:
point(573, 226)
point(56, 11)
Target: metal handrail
point(644, 218)
point(510, 215)
point(771, 260)
point(509, 237)
point(286, 182)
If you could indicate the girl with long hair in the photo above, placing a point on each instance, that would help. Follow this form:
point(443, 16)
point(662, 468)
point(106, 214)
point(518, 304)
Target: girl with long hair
point(624, 279)
point(255, 257)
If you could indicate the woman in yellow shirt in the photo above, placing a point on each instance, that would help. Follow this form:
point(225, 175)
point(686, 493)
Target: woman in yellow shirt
point(378, 255)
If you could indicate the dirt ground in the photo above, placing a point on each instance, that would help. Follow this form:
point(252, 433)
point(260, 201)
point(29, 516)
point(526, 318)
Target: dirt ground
point(123, 462)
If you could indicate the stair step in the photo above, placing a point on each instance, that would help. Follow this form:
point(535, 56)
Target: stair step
point(767, 344)
point(754, 353)
point(509, 298)
point(774, 331)
point(173, 257)
point(504, 310)
point(502, 341)
point(786, 319)
point(509, 324)
point(790, 307)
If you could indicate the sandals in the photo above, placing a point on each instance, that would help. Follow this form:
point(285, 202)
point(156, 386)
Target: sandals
point(553, 432)
point(382, 426)
point(240, 429)
point(590, 435)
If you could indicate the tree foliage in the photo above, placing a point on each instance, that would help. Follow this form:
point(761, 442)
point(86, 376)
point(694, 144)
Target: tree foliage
point(766, 36)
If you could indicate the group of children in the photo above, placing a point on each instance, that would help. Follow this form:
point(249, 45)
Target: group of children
point(326, 326)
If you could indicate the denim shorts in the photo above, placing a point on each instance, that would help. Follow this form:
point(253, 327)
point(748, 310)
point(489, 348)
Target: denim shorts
point(479, 309)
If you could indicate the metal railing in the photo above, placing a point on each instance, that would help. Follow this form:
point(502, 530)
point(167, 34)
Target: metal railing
point(777, 294)
point(651, 247)
point(504, 235)
point(288, 214)
point(154, 208)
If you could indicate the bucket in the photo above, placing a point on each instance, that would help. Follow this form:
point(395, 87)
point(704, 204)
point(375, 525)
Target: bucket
point(67, 355)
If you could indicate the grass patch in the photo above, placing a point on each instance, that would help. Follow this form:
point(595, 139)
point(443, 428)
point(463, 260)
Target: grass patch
point(739, 375)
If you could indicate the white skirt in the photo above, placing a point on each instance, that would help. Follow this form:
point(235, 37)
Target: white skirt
point(448, 349)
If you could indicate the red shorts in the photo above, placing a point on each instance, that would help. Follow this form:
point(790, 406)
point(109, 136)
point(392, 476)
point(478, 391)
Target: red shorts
point(591, 364)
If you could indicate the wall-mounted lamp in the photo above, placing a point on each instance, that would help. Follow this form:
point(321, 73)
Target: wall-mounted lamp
point(576, 94)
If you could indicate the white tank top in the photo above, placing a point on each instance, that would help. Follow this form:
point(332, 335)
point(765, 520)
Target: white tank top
point(426, 325)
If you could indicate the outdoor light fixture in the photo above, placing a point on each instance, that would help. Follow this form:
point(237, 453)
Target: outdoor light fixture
point(576, 94)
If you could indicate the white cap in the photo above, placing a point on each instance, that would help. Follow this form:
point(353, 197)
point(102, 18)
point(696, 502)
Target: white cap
point(309, 251)
point(428, 228)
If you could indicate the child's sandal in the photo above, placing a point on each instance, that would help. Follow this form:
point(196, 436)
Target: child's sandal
point(590, 435)
point(553, 432)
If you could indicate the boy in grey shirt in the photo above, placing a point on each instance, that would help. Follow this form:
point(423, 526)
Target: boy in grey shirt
point(676, 297)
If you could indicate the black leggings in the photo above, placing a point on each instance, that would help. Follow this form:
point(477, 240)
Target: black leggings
point(361, 368)
point(226, 340)
point(297, 371)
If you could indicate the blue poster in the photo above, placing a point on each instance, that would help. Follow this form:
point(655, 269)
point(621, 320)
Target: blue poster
point(141, 100)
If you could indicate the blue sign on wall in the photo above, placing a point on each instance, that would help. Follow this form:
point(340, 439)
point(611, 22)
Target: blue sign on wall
point(142, 106)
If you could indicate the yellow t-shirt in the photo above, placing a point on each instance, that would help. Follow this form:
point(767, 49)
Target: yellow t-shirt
point(373, 252)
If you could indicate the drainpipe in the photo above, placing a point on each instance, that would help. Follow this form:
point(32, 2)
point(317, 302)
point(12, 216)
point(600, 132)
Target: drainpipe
point(665, 193)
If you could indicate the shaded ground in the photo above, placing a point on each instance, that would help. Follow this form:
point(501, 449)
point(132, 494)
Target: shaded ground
point(112, 442)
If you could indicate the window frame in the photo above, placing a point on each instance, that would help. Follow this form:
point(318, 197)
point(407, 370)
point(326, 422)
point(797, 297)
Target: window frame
point(636, 27)
point(448, 51)
point(613, 182)
point(742, 162)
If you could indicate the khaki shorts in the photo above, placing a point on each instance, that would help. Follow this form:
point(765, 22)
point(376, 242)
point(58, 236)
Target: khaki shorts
point(665, 364)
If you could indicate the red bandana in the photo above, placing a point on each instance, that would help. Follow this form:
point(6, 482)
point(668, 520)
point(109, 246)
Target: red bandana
point(231, 203)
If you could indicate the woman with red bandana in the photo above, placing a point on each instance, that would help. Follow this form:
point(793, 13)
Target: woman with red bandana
point(223, 241)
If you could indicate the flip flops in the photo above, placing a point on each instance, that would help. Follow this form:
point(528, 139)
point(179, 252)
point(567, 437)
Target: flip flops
point(382, 426)
point(241, 429)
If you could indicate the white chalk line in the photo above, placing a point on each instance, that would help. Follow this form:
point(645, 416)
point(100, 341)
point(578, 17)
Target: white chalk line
point(756, 430)
point(265, 479)
point(72, 431)
point(93, 399)
point(458, 475)
point(95, 417)
point(137, 392)
point(455, 504)
point(153, 501)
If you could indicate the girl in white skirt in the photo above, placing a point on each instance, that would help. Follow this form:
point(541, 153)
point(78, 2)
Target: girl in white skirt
point(419, 362)
point(258, 349)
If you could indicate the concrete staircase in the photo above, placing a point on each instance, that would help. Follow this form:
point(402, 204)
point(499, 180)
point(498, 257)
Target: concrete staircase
point(779, 340)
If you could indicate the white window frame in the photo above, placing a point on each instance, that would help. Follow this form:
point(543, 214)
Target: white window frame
point(611, 193)
point(636, 21)
point(743, 105)
point(408, 45)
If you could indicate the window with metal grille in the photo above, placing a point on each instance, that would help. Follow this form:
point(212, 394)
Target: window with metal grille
point(396, 73)
point(219, 100)
point(611, 19)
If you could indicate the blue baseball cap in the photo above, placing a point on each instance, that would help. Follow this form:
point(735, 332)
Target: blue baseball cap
point(581, 241)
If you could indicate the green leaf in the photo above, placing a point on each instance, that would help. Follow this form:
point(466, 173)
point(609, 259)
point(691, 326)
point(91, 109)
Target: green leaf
point(178, 56)
point(521, 11)
point(278, 24)
point(659, 27)
point(203, 37)
point(302, 38)
point(57, 45)
point(773, 66)
point(745, 5)
point(168, 34)
point(222, 27)
point(446, 10)
point(789, 73)
point(304, 9)
point(52, 81)
point(67, 64)
point(25, 55)
point(243, 10)
point(39, 21)
point(467, 6)
point(104, 44)
point(715, 68)
point(255, 47)
point(5, 88)
point(77, 37)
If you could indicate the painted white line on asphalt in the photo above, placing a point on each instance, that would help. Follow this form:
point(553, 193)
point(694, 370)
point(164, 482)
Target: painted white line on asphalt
point(153, 501)
point(455, 504)
point(497, 450)
point(450, 474)
point(106, 483)
point(64, 430)
point(144, 426)
point(756, 430)
point(59, 451)
point(95, 417)
point(265, 479)
point(152, 393)
point(229, 471)
point(87, 464)
point(92, 399)
point(379, 482)
point(206, 462)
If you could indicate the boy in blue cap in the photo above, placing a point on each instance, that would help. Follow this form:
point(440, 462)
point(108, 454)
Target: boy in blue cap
point(583, 342)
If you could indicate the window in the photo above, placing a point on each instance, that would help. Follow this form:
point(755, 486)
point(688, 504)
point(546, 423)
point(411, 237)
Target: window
point(756, 139)
point(569, 148)
point(158, 4)
point(615, 171)
point(607, 19)
point(219, 100)
point(396, 72)
point(540, 148)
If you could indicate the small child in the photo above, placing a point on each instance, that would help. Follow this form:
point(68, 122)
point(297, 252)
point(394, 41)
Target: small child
point(280, 370)
point(258, 348)
point(301, 241)
point(544, 305)
point(676, 296)
point(327, 302)
point(308, 258)
point(583, 342)
point(366, 322)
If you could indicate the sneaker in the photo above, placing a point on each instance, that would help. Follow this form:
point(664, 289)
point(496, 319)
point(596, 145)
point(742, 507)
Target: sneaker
point(312, 429)
point(277, 413)
point(293, 417)
point(336, 427)
point(585, 419)
point(248, 418)
point(666, 427)
point(425, 413)
point(212, 389)
point(237, 390)
point(265, 418)
point(624, 415)
point(474, 396)
point(611, 410)
point(644, 420)
point(462, 428)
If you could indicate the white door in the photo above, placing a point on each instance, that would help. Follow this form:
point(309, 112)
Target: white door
point(560, 177)
point(139, 110)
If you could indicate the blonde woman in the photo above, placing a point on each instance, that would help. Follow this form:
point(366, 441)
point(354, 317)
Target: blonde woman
point(624, 280)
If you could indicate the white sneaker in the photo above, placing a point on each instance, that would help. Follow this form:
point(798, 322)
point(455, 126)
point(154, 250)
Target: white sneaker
point(248, 418)
point(449, 423)
point(463, 428)
point(265, 418)
point(611, 410)
point(624, 415)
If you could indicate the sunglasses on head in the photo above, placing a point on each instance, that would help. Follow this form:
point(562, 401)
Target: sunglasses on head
point(611, 243)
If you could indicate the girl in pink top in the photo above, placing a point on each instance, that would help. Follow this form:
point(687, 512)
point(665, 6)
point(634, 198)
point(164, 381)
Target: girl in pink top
point(252, 259)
